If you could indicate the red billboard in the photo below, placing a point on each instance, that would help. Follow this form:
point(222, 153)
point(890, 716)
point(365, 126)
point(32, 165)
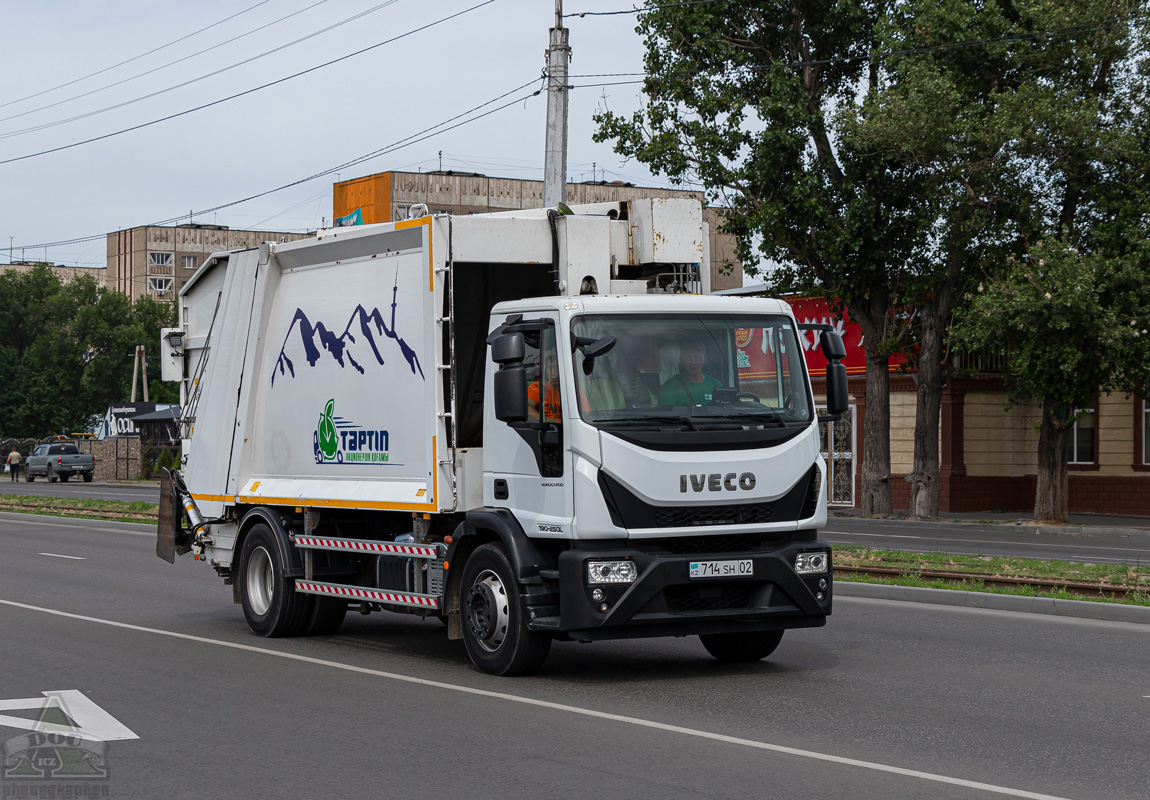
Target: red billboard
point(816, 310)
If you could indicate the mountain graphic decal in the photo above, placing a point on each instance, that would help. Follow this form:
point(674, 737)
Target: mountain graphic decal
point(368, 326)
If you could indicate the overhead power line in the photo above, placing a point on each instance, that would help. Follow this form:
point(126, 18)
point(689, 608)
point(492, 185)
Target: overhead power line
point(212, 74)
point(135, 58)
point(446, 125)
point(248, 91)
point(164, 66)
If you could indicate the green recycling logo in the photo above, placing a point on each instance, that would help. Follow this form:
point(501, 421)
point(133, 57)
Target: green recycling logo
point(326, 438)
point(341, 440)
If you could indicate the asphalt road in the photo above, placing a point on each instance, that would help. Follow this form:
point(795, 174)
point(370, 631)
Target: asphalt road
point(96, 490)
point(890, 700)
point(999, 540)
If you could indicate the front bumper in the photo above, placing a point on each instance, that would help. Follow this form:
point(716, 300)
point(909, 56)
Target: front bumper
point(664, 601)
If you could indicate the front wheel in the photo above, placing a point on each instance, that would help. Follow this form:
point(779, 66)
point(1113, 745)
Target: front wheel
point(28, 476)
point(271, 604)
point(494, 631)
point(736, 647)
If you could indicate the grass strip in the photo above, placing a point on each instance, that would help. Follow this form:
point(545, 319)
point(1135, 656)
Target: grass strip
point(111, 510)
point(1129, 582)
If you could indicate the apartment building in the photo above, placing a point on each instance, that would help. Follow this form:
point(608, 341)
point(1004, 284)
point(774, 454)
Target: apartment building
point(156, 260)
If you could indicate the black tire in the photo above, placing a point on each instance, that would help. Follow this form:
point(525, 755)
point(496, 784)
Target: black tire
point(87, 477)
point(741, 647)
point(51, 476)
point(28, 476)
point(64, 479)
point(272, 606)
point(494, 631)
point(326, 616)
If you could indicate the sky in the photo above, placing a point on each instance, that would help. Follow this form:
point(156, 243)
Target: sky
point(73, 70)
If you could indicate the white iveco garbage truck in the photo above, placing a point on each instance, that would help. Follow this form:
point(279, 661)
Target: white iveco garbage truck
point(533, 425)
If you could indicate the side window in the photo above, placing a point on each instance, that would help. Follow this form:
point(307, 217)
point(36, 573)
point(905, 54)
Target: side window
point(544, 431)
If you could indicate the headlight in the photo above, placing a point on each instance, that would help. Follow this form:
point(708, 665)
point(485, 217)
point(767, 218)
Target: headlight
point(611, 572)
point(811, 563)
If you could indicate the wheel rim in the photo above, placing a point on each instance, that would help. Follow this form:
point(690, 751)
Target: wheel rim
point(487, 616)
point(260, 581)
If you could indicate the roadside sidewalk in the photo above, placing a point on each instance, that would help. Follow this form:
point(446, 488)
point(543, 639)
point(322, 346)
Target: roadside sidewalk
point(1080, 524)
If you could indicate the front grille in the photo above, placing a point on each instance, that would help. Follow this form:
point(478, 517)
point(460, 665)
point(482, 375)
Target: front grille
point(683, 517)
point(683, 599)
point(702, 545)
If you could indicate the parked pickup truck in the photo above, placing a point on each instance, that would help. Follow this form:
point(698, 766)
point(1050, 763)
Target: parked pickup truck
point(58, 462)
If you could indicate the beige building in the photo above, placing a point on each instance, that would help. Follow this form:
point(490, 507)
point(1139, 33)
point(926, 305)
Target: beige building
point(388, 196)
point(65, 273)
point(156, 260)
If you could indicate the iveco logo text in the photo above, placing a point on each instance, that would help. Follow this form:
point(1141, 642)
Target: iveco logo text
point(716, 482)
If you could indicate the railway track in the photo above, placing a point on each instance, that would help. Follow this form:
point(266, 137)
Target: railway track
point(1085, 589)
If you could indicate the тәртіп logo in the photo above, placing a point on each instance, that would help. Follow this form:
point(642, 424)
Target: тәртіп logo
point(342, 441)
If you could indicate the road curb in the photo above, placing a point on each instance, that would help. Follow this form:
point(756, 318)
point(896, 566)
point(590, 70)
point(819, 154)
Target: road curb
point(134, 527)
point(1080, 609)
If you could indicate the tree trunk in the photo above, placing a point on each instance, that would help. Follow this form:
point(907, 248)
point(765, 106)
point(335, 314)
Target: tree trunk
point(924, 476)
point(1052, 497)
point(876, 489)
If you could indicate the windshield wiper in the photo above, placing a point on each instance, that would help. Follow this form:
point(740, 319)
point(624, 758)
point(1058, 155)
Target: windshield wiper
point(681, 419)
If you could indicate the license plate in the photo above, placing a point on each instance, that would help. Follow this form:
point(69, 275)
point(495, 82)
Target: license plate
point(721, 569)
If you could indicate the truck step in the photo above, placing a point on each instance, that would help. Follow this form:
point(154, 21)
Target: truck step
point(369, 546)
point(361, 593)
point(544, 624)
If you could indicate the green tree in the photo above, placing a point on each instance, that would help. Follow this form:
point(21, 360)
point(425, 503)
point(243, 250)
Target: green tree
point(66, 351)
point(1069, 312)
point(1069, 324)
point(751, 99)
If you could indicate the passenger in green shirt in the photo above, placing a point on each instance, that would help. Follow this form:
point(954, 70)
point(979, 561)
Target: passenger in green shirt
point(691, 386)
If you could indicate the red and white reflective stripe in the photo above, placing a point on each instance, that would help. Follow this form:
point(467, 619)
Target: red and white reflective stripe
point(366, 547)
point(366, 594)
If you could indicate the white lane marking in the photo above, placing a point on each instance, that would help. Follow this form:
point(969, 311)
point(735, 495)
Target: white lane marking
point(58, 555)
point(586, 712)
point(90, 721)
point(991, 541)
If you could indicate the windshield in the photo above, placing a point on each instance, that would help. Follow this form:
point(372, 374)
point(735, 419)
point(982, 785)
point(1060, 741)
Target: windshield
point(692, 369)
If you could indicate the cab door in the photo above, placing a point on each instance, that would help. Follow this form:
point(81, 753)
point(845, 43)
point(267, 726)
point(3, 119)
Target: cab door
point(527, 465)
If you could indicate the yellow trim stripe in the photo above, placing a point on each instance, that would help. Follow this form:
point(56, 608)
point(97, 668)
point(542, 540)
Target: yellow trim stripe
point(300, 501)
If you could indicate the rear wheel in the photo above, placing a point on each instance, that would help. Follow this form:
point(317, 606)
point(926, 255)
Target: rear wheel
point(271, 604)
point(64, 478)
point(494, 631)
point(735, 647)
point(51, 475)
point(87, 477)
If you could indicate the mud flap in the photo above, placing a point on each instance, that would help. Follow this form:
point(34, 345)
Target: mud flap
point(170, 537)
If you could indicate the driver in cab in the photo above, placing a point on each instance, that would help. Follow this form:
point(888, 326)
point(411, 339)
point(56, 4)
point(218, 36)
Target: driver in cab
point(691, 386)
point(548, 387)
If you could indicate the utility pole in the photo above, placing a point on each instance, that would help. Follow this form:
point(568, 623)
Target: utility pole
point(139, 364)
point(135, 371)
point(555, 161)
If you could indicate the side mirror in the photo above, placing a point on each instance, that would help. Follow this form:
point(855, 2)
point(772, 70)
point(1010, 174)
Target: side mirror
point(832, 346)
point(838, 399)
point(510, 387)
point(508, 348)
